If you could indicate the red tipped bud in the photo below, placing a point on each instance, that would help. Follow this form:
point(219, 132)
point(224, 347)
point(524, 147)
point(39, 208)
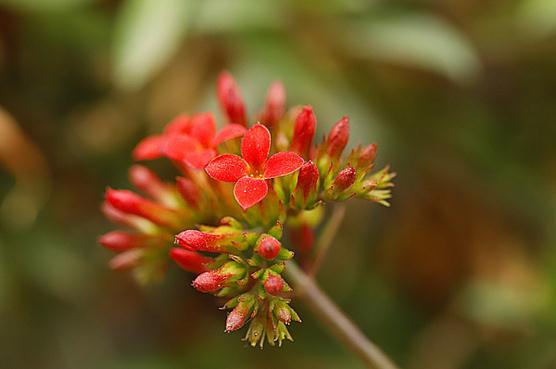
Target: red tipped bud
point(268, 247)
point(345, 179)
point(274, 284)
point(308, 179)
point(131, 203)
point(214, 280)
point(189, 191)
point(303, 238)
point(275, 104)
point(213, 242)
point(367, 156)
point(239, 315)
point(190, 261)
point(305, 125)
point(127, 259)
point(121, 241)
point(149, 148)
point(147, 181)
point(338, 138)
point(230, 99)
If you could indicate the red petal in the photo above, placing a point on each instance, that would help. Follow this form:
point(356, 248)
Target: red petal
point(229, 132)
point(227, 168)
point(190, 260)
point(179, 125)
point(249, 191)
point(255, 145)
point(149, 148)
point(199, 159)
point(282, 163)
point(203, 128)
point(177, 146)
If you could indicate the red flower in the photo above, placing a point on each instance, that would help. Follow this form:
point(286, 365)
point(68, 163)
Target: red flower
point(251, 172)
point(191, 140)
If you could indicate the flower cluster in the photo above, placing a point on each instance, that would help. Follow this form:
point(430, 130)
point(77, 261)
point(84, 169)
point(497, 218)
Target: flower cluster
point(245, 185)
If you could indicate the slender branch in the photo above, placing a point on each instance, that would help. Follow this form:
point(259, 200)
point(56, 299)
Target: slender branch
point(327, 236)
point(335, 320)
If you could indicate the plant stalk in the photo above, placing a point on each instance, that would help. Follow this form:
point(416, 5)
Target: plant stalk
point(335, 320)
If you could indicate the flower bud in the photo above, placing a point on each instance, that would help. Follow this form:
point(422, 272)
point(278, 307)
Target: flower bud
point(239, 315)
point(304, 130)
point(274, 284)
point(367, 156)
point(303, 238)
point(344, 179)
point(147, 181)
point(338, 138)
point(127, 259)
point(149, 148)
point(214, 280)
point(275, 105)
point(307, 182)
point(213, 242)
point(190, 261)
point(268, 247)
point(230, 99)
point(128, 220)
point(131, 203)
point(121, 241)
point(189, 191)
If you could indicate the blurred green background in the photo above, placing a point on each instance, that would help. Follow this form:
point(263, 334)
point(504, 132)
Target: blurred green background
point(460, 95)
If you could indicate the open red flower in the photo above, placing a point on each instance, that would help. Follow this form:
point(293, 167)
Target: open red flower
point(191, 140)
point(251, 172)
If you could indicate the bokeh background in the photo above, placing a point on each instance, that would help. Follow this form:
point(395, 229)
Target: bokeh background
point(460, 272)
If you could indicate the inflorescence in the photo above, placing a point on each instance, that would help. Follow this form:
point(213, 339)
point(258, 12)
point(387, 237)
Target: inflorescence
point(238, 190)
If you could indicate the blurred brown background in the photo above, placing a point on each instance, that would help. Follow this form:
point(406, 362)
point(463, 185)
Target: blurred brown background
point(459, 94)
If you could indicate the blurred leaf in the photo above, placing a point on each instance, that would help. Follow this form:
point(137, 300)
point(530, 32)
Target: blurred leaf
point(421, 41)
point(42, 5)
point(226, 16)
point(147, 35)
point(538, 16)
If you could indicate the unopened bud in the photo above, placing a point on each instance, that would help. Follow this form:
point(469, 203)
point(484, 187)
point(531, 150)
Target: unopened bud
point(275, 104)
point(367, 156)
point(190, 261)
point(131, 203)
point(304, 130)
point(149, 148)
point(239, 315)
point(214, 280)
point(213, 242)
point(268, 247)
point(230, 99)
point(307, 180)
point(127, 259)
point(147, 181)
point(338, 138)
point(189, 191)
point(274, 284)
point(345, 179)
point(120, 240)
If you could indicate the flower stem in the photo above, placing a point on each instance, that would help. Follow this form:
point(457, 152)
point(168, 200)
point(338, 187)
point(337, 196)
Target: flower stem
point(335, 320)
point(327, 236)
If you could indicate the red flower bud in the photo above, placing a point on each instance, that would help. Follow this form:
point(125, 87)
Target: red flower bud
point(338, 138)
point(274, 284)
point(305, 125)
point(214, 280)
point(189, 191)
point(307, 179)
point(345, 179)
point(147, 181)
point(367, 156)
point(120, 241)
point(127, 259)
point(131, 203)
point(230, 99)
point(190, 260)
point(275, 104)
point(268, 247)
point(303, 238)
point(212, 242)
point(239, 315)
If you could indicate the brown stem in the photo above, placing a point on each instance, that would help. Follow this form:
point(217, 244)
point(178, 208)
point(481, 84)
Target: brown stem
point(335, 320)
point(327, 236)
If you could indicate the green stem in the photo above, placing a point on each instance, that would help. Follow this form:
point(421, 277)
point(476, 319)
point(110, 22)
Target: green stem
point(327, 236)
point(335, 320)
